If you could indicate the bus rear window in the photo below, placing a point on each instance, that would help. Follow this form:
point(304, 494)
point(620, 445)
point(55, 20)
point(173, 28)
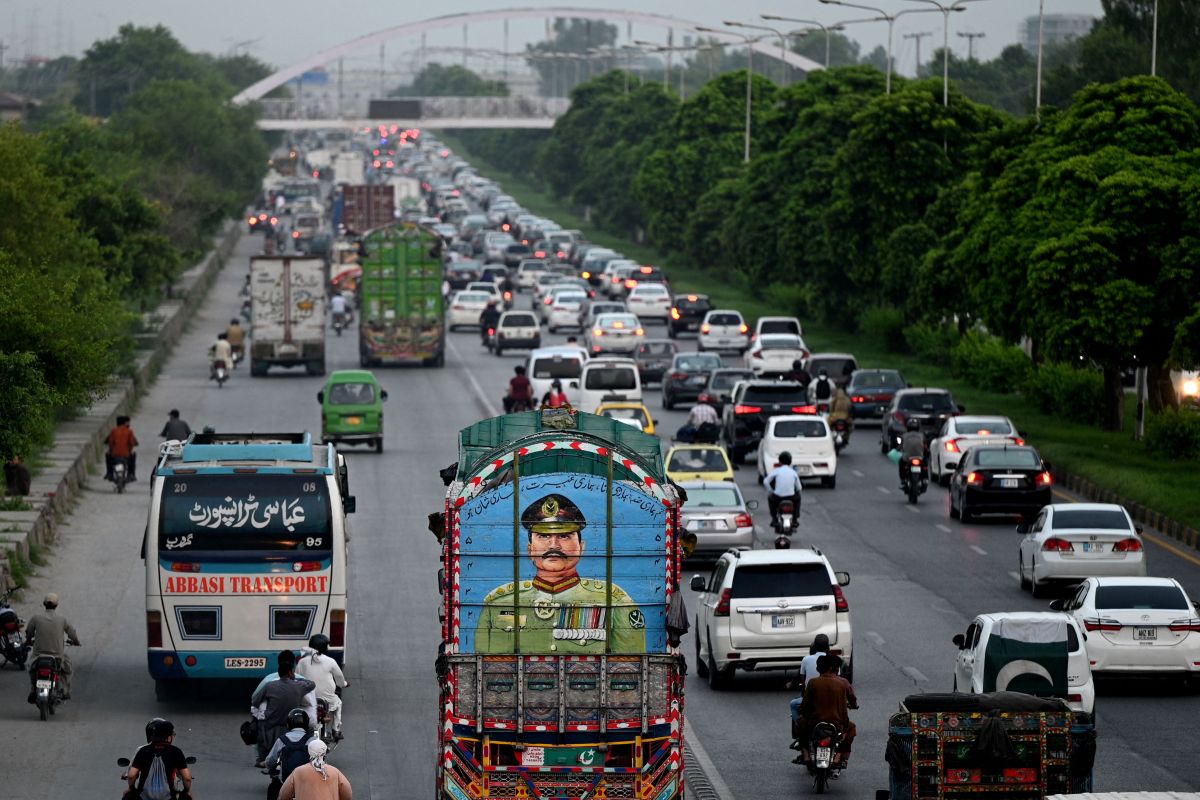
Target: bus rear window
point(222, 513)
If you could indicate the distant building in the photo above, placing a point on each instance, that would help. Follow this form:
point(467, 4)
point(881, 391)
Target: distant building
point(14, 108)
point(1056, 29)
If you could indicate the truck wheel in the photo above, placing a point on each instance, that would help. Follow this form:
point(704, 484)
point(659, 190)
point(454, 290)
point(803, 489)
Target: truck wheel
point(258, 369)
point(316, 367)
point(498, 350)
point(379, 445)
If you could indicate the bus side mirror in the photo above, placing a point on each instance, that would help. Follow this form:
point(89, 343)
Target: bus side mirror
point(349, 504)
point(321, 396)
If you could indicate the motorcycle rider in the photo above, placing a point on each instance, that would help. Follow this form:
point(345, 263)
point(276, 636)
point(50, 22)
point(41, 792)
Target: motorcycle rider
point(912, 445)
point(236, 335)
point(701, 426)
point(782, 483)
point(47, 634)
point(555, 397)
point(822, 387)
point(842, 408)
point(337, 308)
point(488, 320)
point(320, 668)
point(221, 350)
point(316, 780)
point(281, 696)
point(121, 444)
point(175, 428)
point(827, 699)
point(290, 750)
point(160, 738)
point(520, 392)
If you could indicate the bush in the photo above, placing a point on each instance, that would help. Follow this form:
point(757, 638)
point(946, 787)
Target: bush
point(1174, 433)
point(931, 342)
point(1063, 391)
point(885, 328)
point(988, 363)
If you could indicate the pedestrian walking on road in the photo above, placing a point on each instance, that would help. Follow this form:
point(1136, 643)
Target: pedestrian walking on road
point(176, 428)
point(316, 780)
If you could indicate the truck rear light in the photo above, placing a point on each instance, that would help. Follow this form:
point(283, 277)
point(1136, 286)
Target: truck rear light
point(1128, 546)
point(722, 609)
point(743, 521)
point(1185, 625)
point(747, 409)
point(1020, 775)
point(306, 566)
point(839, 599)
point(185, 567)
point(153, 629)
point(1057, 545)
point(961, 776)
point(1101, 624)
point(337, 628)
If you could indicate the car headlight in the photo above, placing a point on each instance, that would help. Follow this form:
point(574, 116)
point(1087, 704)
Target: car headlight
point(1191, 388)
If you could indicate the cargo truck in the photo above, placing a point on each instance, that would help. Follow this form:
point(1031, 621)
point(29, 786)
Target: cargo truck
point(287, 301)
point(366, 207)
point(401, 311)
point(559, 668)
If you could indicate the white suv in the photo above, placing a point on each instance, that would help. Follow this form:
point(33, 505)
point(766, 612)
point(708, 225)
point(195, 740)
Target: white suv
point(761, 610)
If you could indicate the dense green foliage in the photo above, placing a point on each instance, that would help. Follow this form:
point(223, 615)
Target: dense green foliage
point(437, 80)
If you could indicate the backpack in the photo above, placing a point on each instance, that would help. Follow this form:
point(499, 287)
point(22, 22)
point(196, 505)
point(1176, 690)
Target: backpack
point(158, 782)
point(294, 754)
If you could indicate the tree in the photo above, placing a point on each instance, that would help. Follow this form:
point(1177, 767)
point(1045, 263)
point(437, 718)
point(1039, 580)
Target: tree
point(437, 80)
point(570, 36)
point(114, 69)
point(843, 51)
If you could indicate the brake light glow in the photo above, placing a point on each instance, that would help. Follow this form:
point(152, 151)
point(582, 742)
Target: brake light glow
point(1128, 546)
point(1057, 545)
point(804, 409)
point(678, 376)
point(337, 628)
point(1017, 440)
point(306, 566)
point(598, 332)
point(858, 398)
point(692, 298)
point(974, 478)
point(185, 567)
point(722, 609)
point(747, 409)
point(585, 274)
point(618, 324)
point(743, 521)
point(916, 462)
point(744, 328)
point(951, 446)
point(548, 300)
point(640, 332)
point(675, 313)
point(839, 599)
point(1044, 479)
point(153, 629)
point(706, 328)
point(630, 283)
point(254, 220)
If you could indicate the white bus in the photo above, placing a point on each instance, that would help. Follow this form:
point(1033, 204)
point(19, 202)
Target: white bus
point(245, 554)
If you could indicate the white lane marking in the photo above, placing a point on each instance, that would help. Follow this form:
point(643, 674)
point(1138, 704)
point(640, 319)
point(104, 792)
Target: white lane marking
point(913, 509)
point(1016, 576)
point(875, 638)
point(979, 550)
point(884, 490)
point(696, 750)
point(942, 528)
point(915, 674)
point(857, 474)
point(481, 395)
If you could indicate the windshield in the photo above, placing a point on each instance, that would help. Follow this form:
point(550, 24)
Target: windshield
point(1021, 459)
point(781, 580)
point(351, 394)
point(877, 380)
point(775, 394)
point(693, 303)
point(599, 378)
point(623, 412)
point(518, 321)
point(698, 363)
point(800, 429)
point(725, 380)
point(1109, 519)
point(557, 367)
point(778, 326)
point(982, 427)
point(712, 498)
point(1140, 597)
point(834, 367)
point(724, 319)
point(219, 513)
point(934, 401)
point(700, 460)
point(656, 349)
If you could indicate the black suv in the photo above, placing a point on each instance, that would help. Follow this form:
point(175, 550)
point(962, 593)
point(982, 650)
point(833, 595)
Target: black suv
point(720, 384)
point(752, 404)
point(687, 312)
point(687, 376)
point(930, 407)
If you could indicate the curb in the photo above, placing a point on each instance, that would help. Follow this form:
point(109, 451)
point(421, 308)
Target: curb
point(1148, 517)
point(79, 443)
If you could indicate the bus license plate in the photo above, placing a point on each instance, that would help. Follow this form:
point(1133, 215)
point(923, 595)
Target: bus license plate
point(783, 620)
point(44, 684)
point(1145, 634)
point(1008, 483)
point(245, 663)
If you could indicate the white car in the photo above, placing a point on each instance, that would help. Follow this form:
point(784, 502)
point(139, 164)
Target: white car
point(465, 308)
point(592, 309)
point(528, 271)
point(958, 434)
point(767, 618)
point(609, 280)
point(622, 281)
point(723, 329)
point(774, 354)
point(563, 364)
point(1069, 542)
point(808, 439)
point(542, 282)
point(494, 244)
point(516, 329)
point(615, 333)
point(542, 306)
point(777, 325)
point(650, 301)
point(563, 311)
point(1137, 625)
point(608, 379)
point(1021, 651)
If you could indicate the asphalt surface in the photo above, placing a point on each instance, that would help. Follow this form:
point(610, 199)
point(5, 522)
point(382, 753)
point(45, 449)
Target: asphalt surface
point(917, 579)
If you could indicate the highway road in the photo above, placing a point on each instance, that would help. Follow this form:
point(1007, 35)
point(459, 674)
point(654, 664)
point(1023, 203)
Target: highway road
point(917, 579)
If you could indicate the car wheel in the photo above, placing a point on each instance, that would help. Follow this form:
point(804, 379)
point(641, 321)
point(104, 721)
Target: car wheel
point(953, 508)
point(718, 679)
point(848, 670)
point(701, 664)
point(666, 402)
point(964, 515)
point(943, 480)
point(1024, 581)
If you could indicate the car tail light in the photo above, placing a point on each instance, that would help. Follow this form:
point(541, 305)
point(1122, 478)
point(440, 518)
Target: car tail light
point(630, 283)
point(839, 599)
point(747, 409)
point(678, 376)
point(1057, 545)
point(306, 566)
point(548, 300)
point(1101, 624)
point(916, 462)
point(1017, 440)
point(675, 313)
point(539, 254)
point(508, 295)
point(274, 220)
point(706, 328)
point(616, 279)
point(598, 332)
point(153, 629)
point(337, 628)
point(1074, 698)
point(640, 332)
point(744, 328)
point(254, 220)
point(899, 418)
point(974, 478)
point(743, 520)
point(757, 354)
point(951, 446)
point(824, 742)
point(858, 398)
point(1185, 625)
point(1128, 546)
point(457, 307)
point(722, 609)
point(804, 409)
point(1044, 479)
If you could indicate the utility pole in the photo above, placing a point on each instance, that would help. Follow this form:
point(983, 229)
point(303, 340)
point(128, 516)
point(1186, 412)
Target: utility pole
point(970, 37)
point(917, 37)
point(382, 90)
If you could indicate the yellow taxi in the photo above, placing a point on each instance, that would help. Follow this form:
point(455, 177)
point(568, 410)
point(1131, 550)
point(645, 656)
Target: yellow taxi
point(698, 462)
point(630, 412)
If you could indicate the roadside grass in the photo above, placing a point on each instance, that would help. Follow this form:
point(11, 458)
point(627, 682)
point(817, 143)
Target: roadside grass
point(1112, 461)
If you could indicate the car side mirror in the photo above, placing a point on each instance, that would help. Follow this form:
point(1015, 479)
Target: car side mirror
point(1138, 529)
point(1058, 605)
point(349, 504)
point(962, 409)
point(843, 578)
point(321, 396)
point(1023, 528)
point(383, 394)
point(751, 505)
point(697, 583)
point(960, 641)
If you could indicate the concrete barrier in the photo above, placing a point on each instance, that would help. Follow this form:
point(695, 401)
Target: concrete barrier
point(1148, 518)
point(79, 443)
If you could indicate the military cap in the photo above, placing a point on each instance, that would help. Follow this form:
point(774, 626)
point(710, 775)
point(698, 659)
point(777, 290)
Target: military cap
point(553, 513)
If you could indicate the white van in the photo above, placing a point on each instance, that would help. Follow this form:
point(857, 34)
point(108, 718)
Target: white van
point(608, 378)
point(564, 364)
point(776, 325)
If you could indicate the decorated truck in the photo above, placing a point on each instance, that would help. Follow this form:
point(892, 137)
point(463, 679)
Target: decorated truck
point(559, 670)
point(401, 314)
point(287, 303)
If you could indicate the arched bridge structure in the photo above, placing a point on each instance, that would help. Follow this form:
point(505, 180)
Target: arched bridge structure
point(535, 113)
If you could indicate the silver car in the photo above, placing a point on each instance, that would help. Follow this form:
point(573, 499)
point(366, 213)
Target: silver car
point(719, 516)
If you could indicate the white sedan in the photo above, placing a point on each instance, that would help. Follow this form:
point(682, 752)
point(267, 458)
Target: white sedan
point(1137, 625)
point(808, 438)
point(959, 434)
point(465, 308)
point(1069, 542)
point(774, 354)
point(650, 301)
point(563, 311)
point(615, 333)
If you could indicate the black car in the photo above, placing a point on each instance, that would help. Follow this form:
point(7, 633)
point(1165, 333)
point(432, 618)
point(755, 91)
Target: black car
point(653, 356)
point(460, 273)
point(687, 312)
point(687, 376)
point(515, 253)
point(720, 386)
point(752, 404)
point(1000, 479)
point(930, 407)
point(871, 391)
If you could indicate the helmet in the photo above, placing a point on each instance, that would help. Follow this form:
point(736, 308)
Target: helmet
point(159, 730)
point(319, 642)
point(823, 373)
point(913, 425)
point(785, 457)
point(297, 718)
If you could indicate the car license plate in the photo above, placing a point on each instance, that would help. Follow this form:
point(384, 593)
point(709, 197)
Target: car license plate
point(691, 326)
point(699, 524)
point(783, 620)
point(354, 420)
point(1093, 547)
point(802, 470)
point(44, 684)
point(1145, 634)
point(245, 663)
point(1009, 483)
point(697, 380)
point(287, 349)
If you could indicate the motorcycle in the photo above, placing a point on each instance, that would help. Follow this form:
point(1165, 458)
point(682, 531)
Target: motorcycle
point(841, 433)
point(325, 729)
point(339, 322)
point(219, 372)
point(47, 687)
point(916, 479)
point(489, 338)
point(120, 474)
point(818, 757)
point(13, 648)
point(176, 791)
point(238, 352)
point(785, 524)
point(247, 308)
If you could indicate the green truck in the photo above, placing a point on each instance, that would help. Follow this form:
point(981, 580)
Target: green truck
point(402, 317)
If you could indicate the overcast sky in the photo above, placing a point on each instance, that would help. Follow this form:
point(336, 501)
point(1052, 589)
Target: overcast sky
point(282, 32)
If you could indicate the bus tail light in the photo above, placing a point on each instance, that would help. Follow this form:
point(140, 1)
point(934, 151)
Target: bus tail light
point(337, 628)
point(306, 566)
point(153, 629)
point(185, 566)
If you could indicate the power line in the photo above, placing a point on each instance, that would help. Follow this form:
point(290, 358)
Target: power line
point(970, 37)
point(917, 37)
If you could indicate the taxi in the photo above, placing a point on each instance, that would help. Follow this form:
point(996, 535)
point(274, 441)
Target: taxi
point(631, 411)
point(352, 408)
point(698, 462)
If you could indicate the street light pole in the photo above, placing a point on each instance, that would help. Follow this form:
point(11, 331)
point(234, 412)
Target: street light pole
point(891, 21)
point(782, 45)
point(1154, 41)
point(1037, 92)
point(970, 37)
point(749, 84)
